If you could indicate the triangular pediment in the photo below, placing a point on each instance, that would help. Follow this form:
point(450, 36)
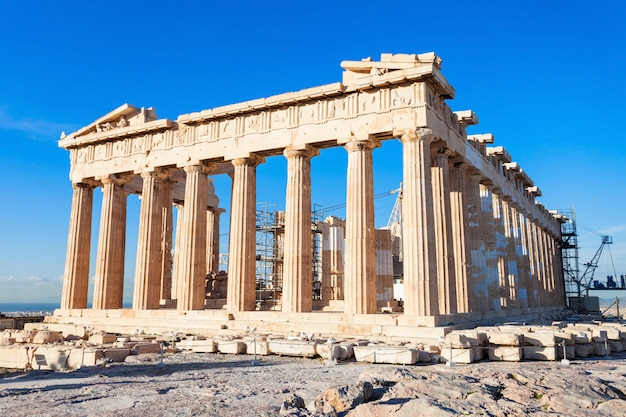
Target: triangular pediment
point(123, 116)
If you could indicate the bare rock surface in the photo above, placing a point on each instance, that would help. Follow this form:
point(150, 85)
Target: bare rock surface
point(195, 384)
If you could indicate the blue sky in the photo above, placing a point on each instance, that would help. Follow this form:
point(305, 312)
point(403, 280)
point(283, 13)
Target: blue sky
point(546, 78)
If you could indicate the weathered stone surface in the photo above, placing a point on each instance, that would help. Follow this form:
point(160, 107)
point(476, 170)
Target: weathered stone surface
point(457, 341)
point(291, 404)
point(601, 349)
point(458, 355)
point(386, 354)
point(14, 357)
point(340, 351)
point(582, 351)
point(286, 347)
point(198, 346)
point(616, 346)
point(233, 347)
point(102, 338)
point(24, 336)
point(345, 397)
point(50, 357)
point(506, 353)
point(47, 336)
point(423, 356)
point(543, 338)
point(79, 357)
point(479, 353)
point(506, 339)
point(540, 353)
point(116, 354)
point(141, 348)
point(261, 347)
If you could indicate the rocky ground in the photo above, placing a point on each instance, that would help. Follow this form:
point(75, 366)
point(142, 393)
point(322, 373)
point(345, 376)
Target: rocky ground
point(189, 384)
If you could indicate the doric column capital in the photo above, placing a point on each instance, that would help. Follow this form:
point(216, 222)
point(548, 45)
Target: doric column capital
point(458, 164)
point(439, 149)
point(361, 144)
point(306, 152)
point(88, 185)
point(201, 168)
point(497, 190)
point(420, 133)
point(116, 179)
point(252, 160)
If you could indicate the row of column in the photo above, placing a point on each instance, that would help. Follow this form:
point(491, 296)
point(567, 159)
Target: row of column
point(466, 246)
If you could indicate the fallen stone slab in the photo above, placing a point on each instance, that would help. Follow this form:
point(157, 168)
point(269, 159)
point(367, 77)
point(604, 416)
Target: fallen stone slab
point(506, 339)
point(582, 351)
point(233, 347)
point(52, 358)
point(287, 347)
point(116, 354)
point(24, 336)
point(616, 346)
point(198, 346)
point(601, 349)
point(79, 357)
point(340, 351)
point(458, 355)
point(141, 348)
point(47, 336)
point(457, 341)
point(505, 353)
point(386, 354)
point(15, 357)
point(260, 347)
point(541, 338)
point(540, 353)
point(102, 338)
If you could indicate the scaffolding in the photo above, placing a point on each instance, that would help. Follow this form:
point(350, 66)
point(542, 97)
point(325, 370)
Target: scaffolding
point(270, 229)
point(569, 252)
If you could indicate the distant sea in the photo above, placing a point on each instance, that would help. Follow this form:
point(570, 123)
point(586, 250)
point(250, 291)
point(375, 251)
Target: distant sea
point(28, 307)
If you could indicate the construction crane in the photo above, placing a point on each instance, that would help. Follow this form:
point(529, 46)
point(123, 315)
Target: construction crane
point(394, 224)
point(586, 279)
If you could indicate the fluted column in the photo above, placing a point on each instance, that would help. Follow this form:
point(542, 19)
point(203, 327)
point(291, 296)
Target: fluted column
point(533, 248)
point(213, 239)
point(512, 279)
point(489, 239)
point(148, 265)
point(520, 255)
point(241, 257)
point(460, 239)
point(500, 247)
point(297, 265)
point(446, 278)
point(360, 269)
point(336, 241)
point(109, 281)
point(165, 205)
point(476, 244)
point(180, 211)
point(418, 230)
point(76, 277)
point(191, 271)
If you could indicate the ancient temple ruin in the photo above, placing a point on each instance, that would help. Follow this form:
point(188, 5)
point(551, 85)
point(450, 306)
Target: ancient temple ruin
point(476, 245)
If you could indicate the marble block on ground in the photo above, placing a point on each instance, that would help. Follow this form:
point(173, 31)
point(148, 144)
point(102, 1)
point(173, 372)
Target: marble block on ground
point(286, 347)
point(540, 353)
point(262, 347)
point(140, 348)
point(505, 353)
point(458, 355)
point(339, 351)
point(506, 339)
point(233, 347)
point(386, 354)
point(539, 339)
point(116, 354)
point(102, 339)
point(198, 346)
point(84, 357)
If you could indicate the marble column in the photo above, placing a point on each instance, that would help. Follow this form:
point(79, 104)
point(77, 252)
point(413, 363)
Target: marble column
point(297, 263)
point(165, 205)
point(446, 278)
point(418, 226)
point(109, 281)
point(460, 239)
point(149, 261)
point(327, 288)
point(213, 239)
point(476, 245)
point(191, 271)
point(76, 277)
point(242, 254)
point(500, 248)
point(512, 279)
point(180, 211)
point(360, 268)
point(489, 239)
point(336, 241)
point(384, 267)
point(520, 255)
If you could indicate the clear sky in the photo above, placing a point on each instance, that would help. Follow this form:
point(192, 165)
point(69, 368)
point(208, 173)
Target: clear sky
point(547, 78)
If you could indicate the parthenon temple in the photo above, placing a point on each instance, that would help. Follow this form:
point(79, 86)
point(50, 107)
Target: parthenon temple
point(475, 244)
